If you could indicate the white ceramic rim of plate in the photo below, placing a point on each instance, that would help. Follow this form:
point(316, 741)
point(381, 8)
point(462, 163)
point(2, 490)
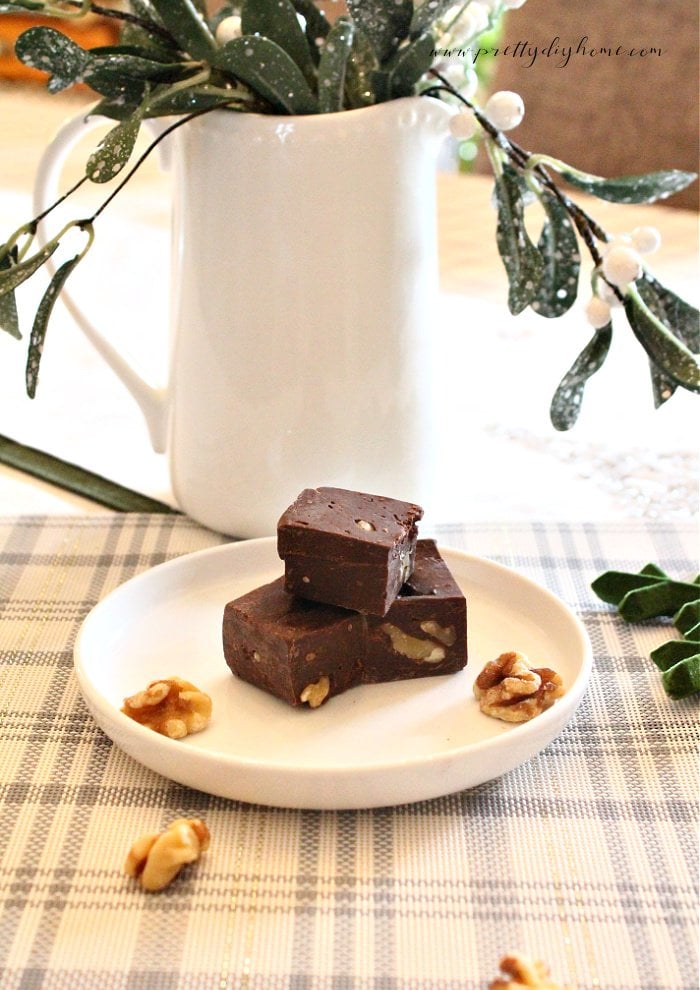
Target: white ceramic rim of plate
point(339, 786)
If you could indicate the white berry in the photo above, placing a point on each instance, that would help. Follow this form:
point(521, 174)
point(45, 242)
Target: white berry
point(621, 265)
point(463, 125)
point(505, 109)
point(598, 312)
point(646, 240)
point(228, 29)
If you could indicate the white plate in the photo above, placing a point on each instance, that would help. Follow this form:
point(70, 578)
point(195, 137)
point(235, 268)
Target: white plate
point(375, 745)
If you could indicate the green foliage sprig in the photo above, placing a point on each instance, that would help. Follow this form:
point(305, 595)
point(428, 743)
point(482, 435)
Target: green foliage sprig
point(652, 593)
point(176, 59)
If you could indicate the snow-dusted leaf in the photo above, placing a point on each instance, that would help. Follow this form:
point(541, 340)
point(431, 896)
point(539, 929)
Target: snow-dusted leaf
point(384, 24)
point(559, 248)
point(412, 61)
point(521, 259)
point(645, 188)
point(269, 71)
point(114, 150)
point(188, 26)
point(566, 402)
point(666, 351)
point(9, 320)
point(41, 321)
point(279, 23)
point(333, 66)
point(50, 51)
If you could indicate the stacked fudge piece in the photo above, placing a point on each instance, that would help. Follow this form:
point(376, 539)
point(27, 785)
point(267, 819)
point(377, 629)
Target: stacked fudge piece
point(362, 601)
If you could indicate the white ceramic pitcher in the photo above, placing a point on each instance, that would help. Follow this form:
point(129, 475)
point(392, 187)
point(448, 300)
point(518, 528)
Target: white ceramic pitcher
point(304, 280)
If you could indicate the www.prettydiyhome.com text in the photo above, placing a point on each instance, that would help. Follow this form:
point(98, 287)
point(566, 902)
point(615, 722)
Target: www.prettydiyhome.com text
point(562, 54)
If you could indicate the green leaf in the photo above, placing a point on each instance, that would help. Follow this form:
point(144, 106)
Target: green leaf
point(114, 150)
point(269, 71)
point(412, 61)
point(667, 352)
point(278, 22)
point(669, 654)
point(126, 63)
point(9, 320)
point(362, 66)
point(612, 586)
point(183, 101)
point(21, 5)
point(683, 679)
point(14, 276)
point(427, 14)
point(332, 68)
point(317, 24)
point(559, 248)
point(645, 188)
point(187, 26)
point(521, 259)
point(385, 24)
point(677, 314)
point(566, 402)
point(51, 51)
point(41, 320)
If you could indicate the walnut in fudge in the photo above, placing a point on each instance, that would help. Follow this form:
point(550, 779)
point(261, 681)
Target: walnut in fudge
point(348, 548)
point(425, 630)
point(305, 652)
point(287, 645)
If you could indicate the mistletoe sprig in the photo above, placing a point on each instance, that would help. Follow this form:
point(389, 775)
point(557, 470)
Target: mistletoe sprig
point(545, 275)
point(176, 59)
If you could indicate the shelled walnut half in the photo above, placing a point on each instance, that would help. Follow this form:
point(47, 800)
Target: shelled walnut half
point(171, 707)
point(519, 973)
point(509, 689)
point(156, 858)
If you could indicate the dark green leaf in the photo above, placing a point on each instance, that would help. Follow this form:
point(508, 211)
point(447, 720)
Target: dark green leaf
point(332, 68)
point(412, 61)
point(126, 63)
point(522, 261)
point(41, 320)
point(269, 71)
point(667, 352)
point(114, 150)
point(386, 25)
point(677, 314)
point(14, 276)
point(687, 617)
point(187, 26)
point(559, 248)
point(9, 320)
point(157, 43)
point(683, 679)
point(51, 51)
point(663, 598)
point(646, 188)
point(427, 14)
point(184, 101)
point(278, 22)
point(669, 654)
point(317, 25)
point(673, 311)
point(566, 402)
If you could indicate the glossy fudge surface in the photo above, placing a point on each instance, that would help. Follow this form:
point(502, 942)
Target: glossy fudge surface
point(425, 631)
point(347, 548)
point(284, 644)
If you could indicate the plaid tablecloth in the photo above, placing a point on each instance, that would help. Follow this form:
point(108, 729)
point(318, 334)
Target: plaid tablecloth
point(586, 856)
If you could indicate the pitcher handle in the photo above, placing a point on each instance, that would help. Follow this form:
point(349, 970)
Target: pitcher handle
point(152, 401)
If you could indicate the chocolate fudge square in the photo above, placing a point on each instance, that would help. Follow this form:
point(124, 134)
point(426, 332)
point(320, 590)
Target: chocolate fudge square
point(424, 633)
point(305, 652)
point(348, 548)
point(297, 650)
